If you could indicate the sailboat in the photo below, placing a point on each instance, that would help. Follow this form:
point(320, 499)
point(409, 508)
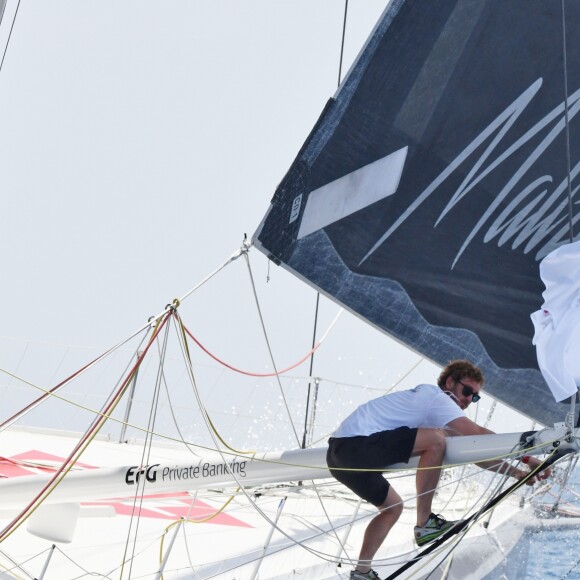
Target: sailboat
point(389, 210)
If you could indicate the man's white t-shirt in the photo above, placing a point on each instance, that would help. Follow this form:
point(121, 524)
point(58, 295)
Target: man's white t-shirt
point(423, 406)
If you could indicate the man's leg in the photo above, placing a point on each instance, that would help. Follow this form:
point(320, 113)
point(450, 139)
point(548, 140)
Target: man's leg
point(378, 528)
point(430, 446)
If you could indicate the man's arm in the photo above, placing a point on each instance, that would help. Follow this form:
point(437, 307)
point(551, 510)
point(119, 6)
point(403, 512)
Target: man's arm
point(465, 426)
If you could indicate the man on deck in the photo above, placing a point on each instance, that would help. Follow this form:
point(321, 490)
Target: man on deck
point(392, 429)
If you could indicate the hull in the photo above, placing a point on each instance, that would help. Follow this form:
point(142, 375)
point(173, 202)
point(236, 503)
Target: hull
point(266, 531)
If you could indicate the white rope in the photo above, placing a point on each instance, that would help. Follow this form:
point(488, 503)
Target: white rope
point(145, 456)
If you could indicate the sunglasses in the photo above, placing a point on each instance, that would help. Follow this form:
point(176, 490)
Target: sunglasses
point(469, 392)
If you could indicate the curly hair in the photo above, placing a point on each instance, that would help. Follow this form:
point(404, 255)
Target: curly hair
point(460, 369)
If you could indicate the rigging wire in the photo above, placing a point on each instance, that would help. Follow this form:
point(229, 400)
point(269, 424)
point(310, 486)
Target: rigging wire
point(231, 259)
point(264, 515)
point(316, 310)
point(245, 253)
point(86, 572)
point(150, 323)
point(19, 565)
point(52, 392)
point(333, 557)
point(572, 413)
point(475, 516)
point(206, 417)
point(150, 429)
point(9, 34)
point(489, 505)
point(465, 467)
point(565, 478)
point(215, 435)
point(175, 421)
point(342, 42)
point(460, 527)
point(571, 570)
point(567, 118)
point(203, 447)
point(79, 448)
point(145, 456)
point(278, 378)
point(310, 371)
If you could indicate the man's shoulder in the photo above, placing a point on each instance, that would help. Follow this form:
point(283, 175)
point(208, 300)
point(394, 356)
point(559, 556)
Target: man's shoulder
point(435, 395)
point(425, 388)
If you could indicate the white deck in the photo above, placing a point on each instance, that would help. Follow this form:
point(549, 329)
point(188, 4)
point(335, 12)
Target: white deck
point(229, 546)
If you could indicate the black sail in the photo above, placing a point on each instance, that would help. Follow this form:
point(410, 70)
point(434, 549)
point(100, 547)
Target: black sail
point(436, 180)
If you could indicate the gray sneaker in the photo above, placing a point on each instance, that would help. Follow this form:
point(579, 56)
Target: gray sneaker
point(435, 527)
point(371, 575)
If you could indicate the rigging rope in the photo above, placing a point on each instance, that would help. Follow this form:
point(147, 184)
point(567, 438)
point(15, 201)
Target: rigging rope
point(154, 320)
point(204, 447)
point(79, 448)
point(215, 435)
point(212, 428)
point(490, 504)
point(256, 374)
point(190, 521)
point(145, 456)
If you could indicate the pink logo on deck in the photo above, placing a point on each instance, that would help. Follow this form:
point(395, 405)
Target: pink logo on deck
point(164, 506)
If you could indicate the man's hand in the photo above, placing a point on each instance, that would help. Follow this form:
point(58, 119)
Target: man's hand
point(533, 463)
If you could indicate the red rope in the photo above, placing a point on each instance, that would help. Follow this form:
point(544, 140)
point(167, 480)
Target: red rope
point(250, 374)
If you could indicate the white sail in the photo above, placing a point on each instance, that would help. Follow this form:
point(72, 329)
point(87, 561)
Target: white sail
point(557, 324)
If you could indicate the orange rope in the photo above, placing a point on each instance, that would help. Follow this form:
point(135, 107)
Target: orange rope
point(248, 373)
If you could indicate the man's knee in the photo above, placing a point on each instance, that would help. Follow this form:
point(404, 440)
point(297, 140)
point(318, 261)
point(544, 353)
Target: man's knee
point(397, 509)
point(393, 504)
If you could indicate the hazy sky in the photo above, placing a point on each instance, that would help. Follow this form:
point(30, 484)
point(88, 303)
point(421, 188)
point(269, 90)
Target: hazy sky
point(139, 141)
point(138, 144)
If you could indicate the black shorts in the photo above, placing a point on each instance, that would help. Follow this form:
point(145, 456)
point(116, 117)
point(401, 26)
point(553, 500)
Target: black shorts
point(375, 451)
